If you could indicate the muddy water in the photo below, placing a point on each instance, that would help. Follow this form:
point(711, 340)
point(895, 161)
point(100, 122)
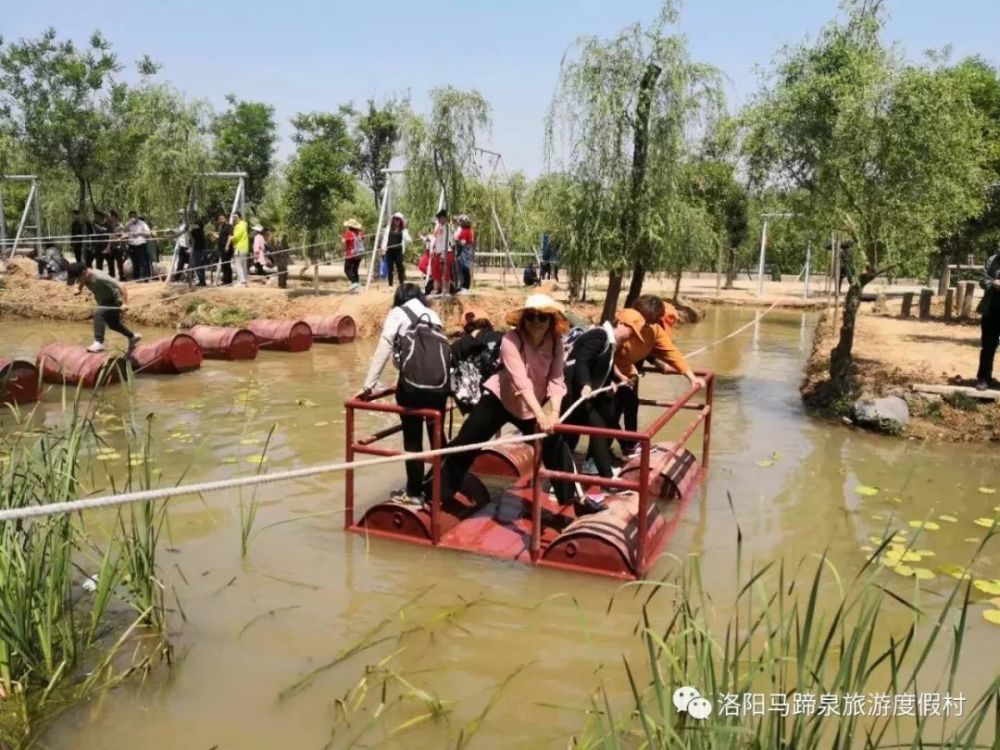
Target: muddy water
point(308, 592)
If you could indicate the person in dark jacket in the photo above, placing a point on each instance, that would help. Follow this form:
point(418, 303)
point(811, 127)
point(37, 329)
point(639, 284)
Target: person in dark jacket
point(989, 308)
point(589, 367)
point(79, 231)
point(199, 256)
point(476, 356)
point(224, 250)
point(531, 275)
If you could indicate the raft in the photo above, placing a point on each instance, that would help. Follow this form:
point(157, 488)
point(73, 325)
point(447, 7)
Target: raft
point(282, 335)
point(231, 344)
point(331, 329)
point(74, 365)
point(19, 383)
point(170, 356)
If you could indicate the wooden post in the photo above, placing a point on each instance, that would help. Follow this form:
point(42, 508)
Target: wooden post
point(959, 297)
point(836, 279)
point(967, 298)
point(925, 303)
point(945, 282)
point(718, 271)
point(949, 303)
point(907, 305)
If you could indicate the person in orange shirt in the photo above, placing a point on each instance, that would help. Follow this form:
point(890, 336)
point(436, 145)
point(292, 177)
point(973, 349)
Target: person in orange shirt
point(651, 342)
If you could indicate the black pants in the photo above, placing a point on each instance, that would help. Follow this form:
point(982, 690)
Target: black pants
point(226, 265)
point(598, 411)
point(413, 431)
point(486, 419)
point(140, 261)
point(627, 414)
point(351, 269)
point(77, 248)
point(465, 276)
point(394, 259)
point(183, 261)
point(92, 256)
point(115, 257)
point(199, 258)
point(991, 335)
point(105, 317)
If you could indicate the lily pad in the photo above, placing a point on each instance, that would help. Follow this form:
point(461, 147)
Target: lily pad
point(923, 574)
point(876, 517)
point(904, 570)
point(866, 491)
point(988, 490)
point(992, 615)
point(764, 463)
point(250, 441)
point(230, 460)
point(256, 460)
point(180, 435)
point(107, 456)
point(949, 519)
point(927, 525)
point(987, 587)
point(320, 424)
point(955, 571)
point(925, 553)
point(867, 549)
point(972, 539)
point(986, 523)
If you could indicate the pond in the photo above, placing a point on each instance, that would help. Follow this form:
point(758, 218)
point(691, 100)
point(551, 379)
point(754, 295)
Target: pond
point(308, 591)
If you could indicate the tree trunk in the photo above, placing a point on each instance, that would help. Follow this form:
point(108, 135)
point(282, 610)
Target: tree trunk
point(81, 202)
point(677, 284)
point(731, 269)
point(630, 215)
point(635, 285)
point(840, 357)
point(575, 283)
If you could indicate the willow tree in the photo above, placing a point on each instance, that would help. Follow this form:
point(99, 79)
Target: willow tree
point(619, 125)
point(440, 149)
point(891, 153)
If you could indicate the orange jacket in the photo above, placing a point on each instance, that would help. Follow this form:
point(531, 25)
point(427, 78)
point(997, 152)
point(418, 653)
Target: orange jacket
point(655, 340)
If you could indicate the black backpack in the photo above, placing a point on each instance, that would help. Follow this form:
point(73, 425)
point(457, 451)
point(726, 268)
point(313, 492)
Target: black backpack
point(422, 355)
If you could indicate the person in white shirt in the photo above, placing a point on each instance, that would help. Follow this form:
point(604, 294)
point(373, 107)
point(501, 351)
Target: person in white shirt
point(398, 321)
point(394, 243)
point(138, 234)
point(183, 237)
point(442, 254)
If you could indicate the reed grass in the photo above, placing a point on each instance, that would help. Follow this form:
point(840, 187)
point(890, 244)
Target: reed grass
point(781, 635)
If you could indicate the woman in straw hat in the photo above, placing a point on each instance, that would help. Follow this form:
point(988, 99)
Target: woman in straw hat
point(354, 249)
point(531, 378)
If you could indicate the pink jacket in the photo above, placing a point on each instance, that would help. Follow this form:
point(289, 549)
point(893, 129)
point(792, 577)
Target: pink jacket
point(259, 250)
point(527, 368)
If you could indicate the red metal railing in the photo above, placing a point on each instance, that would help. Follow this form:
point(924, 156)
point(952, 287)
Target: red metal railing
point(643, 438)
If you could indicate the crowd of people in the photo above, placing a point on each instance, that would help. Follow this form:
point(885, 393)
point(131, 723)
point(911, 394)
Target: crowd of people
point(527, 377)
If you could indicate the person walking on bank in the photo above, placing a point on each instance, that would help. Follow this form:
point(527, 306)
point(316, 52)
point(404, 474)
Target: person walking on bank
point(411, 317)
point(261, 259)
point(394, 247)
point(116, 250)
point(354, 250)
point(138, 233)
point(224, 249)
point(239, 241)
point(182, 236)
point(111, 297)
point(989, 308)
point(465, 251)
point(78, 235)
point(199, 256)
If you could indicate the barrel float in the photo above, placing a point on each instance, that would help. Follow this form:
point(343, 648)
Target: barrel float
point(605, 542)
point(170, 356)
point(395, 519)
point(282, 335)
point(217, 342)
point(74, 365)
point(667, 481)
point(331, 329)
point(504, 461)
point(18, 382)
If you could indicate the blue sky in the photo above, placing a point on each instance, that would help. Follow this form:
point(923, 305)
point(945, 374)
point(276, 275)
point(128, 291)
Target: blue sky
point(308, 55)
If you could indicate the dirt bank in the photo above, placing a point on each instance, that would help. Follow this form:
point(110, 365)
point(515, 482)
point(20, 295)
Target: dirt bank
point(891, 354)
point(175, 306)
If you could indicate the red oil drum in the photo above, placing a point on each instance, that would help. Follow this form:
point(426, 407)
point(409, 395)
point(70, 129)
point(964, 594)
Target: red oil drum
point(74, 365)
point(504, 461)
point(605, 542)
point(393, 519)
point(282, 335)
point(217, 342)
point(169, 356)
point(19, 383)
point(667, 481)
point(331, 329)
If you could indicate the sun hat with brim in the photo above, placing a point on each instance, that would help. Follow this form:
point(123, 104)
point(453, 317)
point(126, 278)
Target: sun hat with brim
point(352, 224)
point(631, 318)
point(258, 228)
point(542, 303)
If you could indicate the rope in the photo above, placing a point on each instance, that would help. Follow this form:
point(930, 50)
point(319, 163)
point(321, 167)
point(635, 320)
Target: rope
point(126, 498)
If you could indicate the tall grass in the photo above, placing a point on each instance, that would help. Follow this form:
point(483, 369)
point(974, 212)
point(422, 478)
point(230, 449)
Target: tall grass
point(781, 638)
point(65, 593)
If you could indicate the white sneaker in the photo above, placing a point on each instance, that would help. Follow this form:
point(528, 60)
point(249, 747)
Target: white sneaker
point(96, 348)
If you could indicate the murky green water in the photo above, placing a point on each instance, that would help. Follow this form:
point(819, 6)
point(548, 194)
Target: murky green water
point(308, 590)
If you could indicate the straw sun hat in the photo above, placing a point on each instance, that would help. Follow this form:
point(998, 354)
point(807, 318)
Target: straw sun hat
point(353, 224)
point(541, 303)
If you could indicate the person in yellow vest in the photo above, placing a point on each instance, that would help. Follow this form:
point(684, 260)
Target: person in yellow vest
point(239, 242)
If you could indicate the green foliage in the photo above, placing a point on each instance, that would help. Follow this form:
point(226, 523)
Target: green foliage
point(245, 138)
point(958, 400)
point(55, 97)
point(376, 133)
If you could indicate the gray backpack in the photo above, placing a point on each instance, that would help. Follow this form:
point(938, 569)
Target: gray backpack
point(422, 355)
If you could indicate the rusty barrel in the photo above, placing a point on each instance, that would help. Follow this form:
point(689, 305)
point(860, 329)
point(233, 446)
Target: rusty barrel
point(504, 461)
point(667, 481)
point(394, 519)
point(19, 382)
point(170, 356)
point(282, 335)
point(74, 365)
point(606, 542)
point(217, 342)
point(331, 329)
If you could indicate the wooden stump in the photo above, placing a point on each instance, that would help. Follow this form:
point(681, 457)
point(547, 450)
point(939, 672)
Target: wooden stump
point(959, 297)
point(945, 281)
point(967, 298)
point(925, 303)
point(907, 304)
point(949, 303)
